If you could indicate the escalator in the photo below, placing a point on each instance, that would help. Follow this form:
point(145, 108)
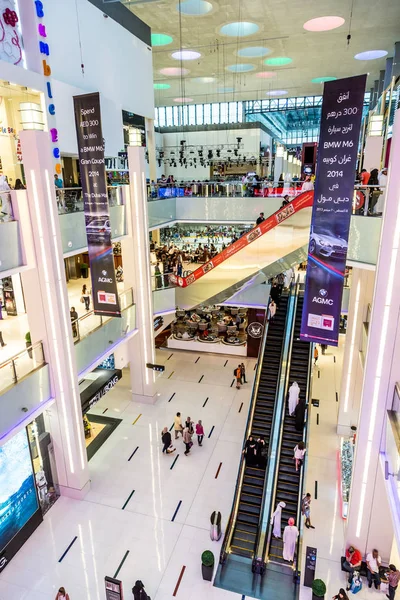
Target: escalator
point(246, 528)
point(288, 487)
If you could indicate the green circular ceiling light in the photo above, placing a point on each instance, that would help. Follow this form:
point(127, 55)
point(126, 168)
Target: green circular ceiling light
point(161, 39)
point(278, 61)
point(323, 79)
point(161, 86)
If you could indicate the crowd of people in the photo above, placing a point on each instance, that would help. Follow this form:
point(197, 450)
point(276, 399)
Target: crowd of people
point(186, 431)
point(376, 573)
point(373, 186)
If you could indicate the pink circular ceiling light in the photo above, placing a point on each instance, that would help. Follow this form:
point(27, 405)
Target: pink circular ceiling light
point(323, 23)
point(185, 55)
point(266, 74)
point(174, 71)
point(183, 99)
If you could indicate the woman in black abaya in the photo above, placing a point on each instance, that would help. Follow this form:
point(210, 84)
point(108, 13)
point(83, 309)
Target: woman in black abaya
point(299, 414)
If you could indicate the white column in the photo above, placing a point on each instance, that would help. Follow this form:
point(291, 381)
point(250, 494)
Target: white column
point(361, 292)
point(48, 314)
point(278, 167)
point(136, 264)
point(381, 370)
point(151, 148)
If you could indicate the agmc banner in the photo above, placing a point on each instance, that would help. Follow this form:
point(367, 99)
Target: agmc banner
point(342, 107)
point(95, 197)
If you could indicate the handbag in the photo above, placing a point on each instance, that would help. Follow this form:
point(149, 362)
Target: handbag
point(356, 584)
point(82, 299)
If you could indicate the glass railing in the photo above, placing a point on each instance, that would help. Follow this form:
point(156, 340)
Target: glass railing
point(161, 282)
point(70, 200)
point(20, 365)
point(6, 207)
point(85, 325)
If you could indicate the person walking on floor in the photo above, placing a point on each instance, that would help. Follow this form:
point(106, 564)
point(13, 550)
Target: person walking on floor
point(276, 520)
point(178, 425)
point(316, 354)
point(299, 452)
point(200, 433)
point(62, 594)
point(242, 373)
point(86, 296)
point(393, 578)
point(341, 595)
point(352, 562)
point(189, 425)
point(187, 440)
point(167, 441)
point(290, 535)
point(306, 511)
point(238, 374)
point(374, 561)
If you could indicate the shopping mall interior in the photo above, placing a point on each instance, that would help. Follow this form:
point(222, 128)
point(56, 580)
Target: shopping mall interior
point(199, 306)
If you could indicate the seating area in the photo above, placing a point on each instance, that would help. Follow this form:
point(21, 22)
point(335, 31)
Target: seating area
point(215, 324)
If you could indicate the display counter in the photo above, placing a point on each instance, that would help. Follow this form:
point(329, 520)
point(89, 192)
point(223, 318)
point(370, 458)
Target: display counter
point(216, 347)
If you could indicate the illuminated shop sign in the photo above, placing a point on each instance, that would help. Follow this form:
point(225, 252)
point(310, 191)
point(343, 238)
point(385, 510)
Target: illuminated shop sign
point(11, 47)
point(44, 50)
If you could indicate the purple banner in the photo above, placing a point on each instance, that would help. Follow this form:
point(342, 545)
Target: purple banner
point(342, 108)
point(95, 200)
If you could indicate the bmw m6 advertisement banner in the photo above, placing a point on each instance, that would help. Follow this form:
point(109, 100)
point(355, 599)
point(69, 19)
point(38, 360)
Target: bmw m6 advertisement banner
point(95, 198)
point(342, 107)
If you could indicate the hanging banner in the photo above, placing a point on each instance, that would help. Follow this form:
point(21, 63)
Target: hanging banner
point(342, 107)
point(97, 214)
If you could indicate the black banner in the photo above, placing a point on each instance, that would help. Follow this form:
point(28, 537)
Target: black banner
point(101, 382)
point(97, 213)
point(342, 108)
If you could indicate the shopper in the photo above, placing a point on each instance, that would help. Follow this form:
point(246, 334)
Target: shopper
point(262, 452)
point(316, 354)
point(2, 342)
point(86, 296)
point(242, 373)
point(276, 520)
point(58, 182)
point(294, 393)
point(260, 219)
point(74, 321)
point(299, 452)
point(374, 190)
point(200, 433)
point(364, 177)
point(308, 185)
point(189, 425)
point(373, 563)
point(352, 562)
point(272, 310)
point(157, 276)
point(341, 595)
point(238, 374)
point(138, 591)
point(19, 185)
point(178, 425)
point(274, 293)
point(393, 578)
point(187, 440)
point(290, 535)
point(299, 414)
point(167, 441)
point(323, 348)
point(250, 451)
point(306, 511)
point(62, 594)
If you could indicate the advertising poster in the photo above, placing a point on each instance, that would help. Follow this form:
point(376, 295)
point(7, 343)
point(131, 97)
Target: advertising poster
point(113, 589)
point(95, 197)
point(342, 107)
point(18, 499)
point(303, 200)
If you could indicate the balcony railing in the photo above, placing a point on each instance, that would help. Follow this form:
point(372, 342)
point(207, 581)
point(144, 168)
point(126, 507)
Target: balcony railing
point(70, 200)
point(85, 325)
point(20, 365)
point(6, 207)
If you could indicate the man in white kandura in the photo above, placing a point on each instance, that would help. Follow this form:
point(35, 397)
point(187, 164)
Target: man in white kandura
point(290, 535)
point(276, 520)
point(294, 393)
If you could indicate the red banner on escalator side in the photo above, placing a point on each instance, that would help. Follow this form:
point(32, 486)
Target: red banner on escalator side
point(301, 201)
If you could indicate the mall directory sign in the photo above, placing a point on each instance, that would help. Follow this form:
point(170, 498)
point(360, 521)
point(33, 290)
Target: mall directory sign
point(342, 107)
point(114, 589)
point(95, 197)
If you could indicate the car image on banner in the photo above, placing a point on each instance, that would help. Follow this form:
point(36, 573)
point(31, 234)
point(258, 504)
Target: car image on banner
point(324, 244)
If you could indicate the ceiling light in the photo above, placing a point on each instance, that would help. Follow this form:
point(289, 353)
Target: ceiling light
point(277, 93)
point(278, 61)
point(174, 71)
point(322, 79)
point(185, 55)
point(240, 68)
point(183, 100)
point(370, 55)
point(204, 79)
point(240, 29)
point(194, 7)
point(266, 74)
point(253, 52)
point(161, 39)
point(161, 86)
point(323, 23)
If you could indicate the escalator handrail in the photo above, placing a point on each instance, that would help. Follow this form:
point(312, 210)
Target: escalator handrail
point(239, 482)
point(264, 551)
point(276, 428)
point(306, 436)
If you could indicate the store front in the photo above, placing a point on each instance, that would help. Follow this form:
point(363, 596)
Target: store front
point(96, 384)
